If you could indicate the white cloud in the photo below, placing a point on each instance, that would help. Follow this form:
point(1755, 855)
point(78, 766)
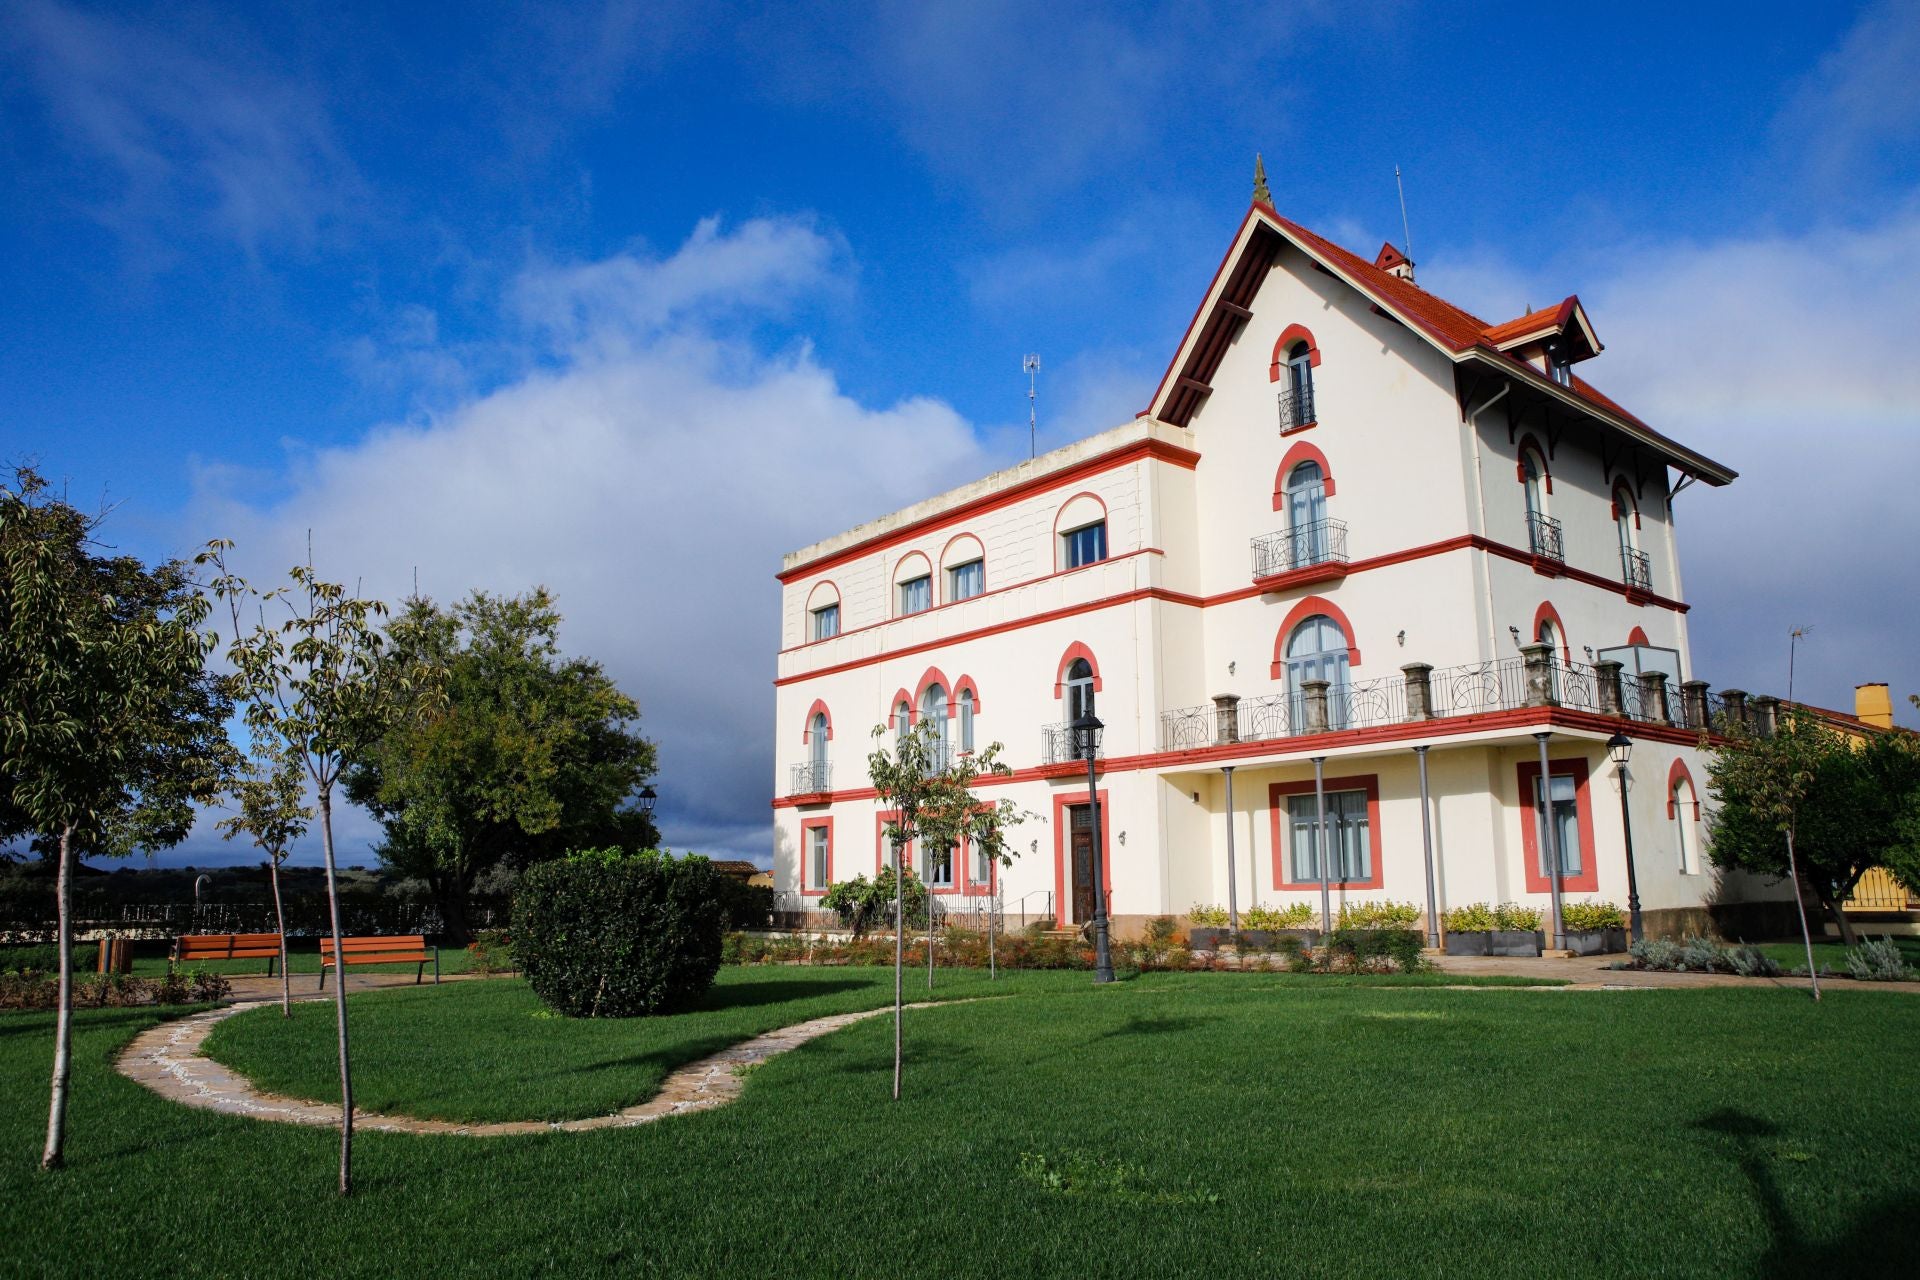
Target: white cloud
point(183, 129)
point(651, 475)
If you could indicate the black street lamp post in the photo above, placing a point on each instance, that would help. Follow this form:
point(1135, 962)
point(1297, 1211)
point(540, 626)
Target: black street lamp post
point(1620, 747)
point(648, 798)
point(1086, 737)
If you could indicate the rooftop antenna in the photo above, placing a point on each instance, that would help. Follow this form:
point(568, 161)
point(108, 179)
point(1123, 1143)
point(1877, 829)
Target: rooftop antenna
point(1031, 364)
point(1406, 232)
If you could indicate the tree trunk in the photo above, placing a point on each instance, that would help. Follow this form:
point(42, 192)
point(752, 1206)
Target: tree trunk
point(55, 1153)
point(455, 928)
point(1836, 907)
point(280, 923)
point(339, 998)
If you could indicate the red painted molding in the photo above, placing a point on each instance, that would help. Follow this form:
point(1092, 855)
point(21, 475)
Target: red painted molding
point(1292, 336)
point(928, 678)
point(1306, 746)
point(1622, 491)
point(1301, 452)
point(1062, 886)
point(806, 726)
point(1301, 611)
point(1076, 650)
point(966, 684)
point(813, 596)
point(880, 850)
point(893, 708)
point(807, 824)
point(1638, 636)
point(1588, 881)
point(1547, 613)
point(1278, 816)
point(1156, 450)
point(1678, 773)
point(945, 563)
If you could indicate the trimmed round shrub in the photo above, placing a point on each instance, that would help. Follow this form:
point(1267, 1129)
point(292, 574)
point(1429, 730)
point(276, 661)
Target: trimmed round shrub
point(608, 934)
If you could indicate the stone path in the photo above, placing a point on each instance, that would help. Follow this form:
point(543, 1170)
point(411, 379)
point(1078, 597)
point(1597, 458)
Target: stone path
point(167, 1059)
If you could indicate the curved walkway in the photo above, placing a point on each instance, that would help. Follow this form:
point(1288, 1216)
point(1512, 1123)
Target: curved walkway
point(167, 1059)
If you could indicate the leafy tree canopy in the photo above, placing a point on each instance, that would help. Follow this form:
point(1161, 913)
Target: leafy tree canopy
point(531, 754)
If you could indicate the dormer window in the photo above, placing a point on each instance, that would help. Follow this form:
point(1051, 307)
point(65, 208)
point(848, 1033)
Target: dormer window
point(1559, 368)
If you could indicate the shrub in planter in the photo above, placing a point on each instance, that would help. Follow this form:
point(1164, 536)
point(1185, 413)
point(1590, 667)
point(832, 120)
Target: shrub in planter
point(1594, 928)
point(1298, 915)
point(1203, 916)
point(608, 934)
point(1469, 929)
point(1377, 915)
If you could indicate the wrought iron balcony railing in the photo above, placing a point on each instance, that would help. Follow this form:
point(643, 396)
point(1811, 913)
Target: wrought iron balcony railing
point(1635, 569)
point(1058, 745)
point(1543, 537)
point(812, 778)
point(1296, 407)
point(1322, 542)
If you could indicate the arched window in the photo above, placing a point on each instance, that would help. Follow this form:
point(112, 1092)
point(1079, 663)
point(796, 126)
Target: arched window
point(1079, 689)
point(1317, 650)
point(1685, 809)
point(1533, 480)
point(1307, 514)
point(1543, 532)
point(817, 739)
point(902, 723)
point(966, 720)
point(1549, 635)
point(1626, 520)
point(933, 706)
point(1300, 377)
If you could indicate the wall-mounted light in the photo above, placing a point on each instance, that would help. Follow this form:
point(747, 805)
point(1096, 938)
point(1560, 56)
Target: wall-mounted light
point(1515, 633)
point(1123, 838)
point(1589, 649)
point(1231, 666)
point(1196, 797)
point(1403, 639)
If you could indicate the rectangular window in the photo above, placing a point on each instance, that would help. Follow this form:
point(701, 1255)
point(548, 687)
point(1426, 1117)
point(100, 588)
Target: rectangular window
point(826, 622)
point(1348, 836)
point(818, 850)
point(1086, 546)
point(1566, 822)
point(916, 595)
point(965, 581)
point(982, 867)
point(940, 868)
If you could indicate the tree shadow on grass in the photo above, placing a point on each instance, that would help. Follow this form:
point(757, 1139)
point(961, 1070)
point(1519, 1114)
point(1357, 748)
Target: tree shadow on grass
point(742, 995)
point(1138, 1026)
point(1876, 1240)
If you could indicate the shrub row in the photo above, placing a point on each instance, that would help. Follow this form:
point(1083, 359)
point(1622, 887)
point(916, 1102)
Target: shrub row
point(1699, 955)
point(113, 990)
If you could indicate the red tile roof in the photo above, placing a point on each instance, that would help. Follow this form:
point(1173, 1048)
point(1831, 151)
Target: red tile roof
point(1546, 318)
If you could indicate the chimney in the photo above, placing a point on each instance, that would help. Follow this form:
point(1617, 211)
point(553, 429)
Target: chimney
point(1394, 262)
point(1873, 704)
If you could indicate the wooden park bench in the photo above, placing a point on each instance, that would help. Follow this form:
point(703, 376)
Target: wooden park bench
point(193, 948)
point(398, 949)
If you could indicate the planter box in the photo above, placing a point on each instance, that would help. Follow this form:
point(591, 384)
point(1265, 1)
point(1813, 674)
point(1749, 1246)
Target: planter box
point(1516, 942)
point(1208, 938)
point(1475, 942)
point(1269, 939)
point(1596, 942)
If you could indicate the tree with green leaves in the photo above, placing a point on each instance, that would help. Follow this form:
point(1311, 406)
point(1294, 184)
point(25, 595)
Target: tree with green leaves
point(268, 794)
point(529, 754)
point(1810, 799)
point(953, 817)
point(315, 688)
point(111, 727)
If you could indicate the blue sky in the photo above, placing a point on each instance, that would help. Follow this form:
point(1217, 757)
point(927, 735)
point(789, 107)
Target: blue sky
point(590, 297)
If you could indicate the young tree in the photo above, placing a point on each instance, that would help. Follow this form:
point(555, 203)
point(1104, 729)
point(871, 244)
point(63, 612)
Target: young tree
point(268, 792)
point(530, 755)
point(1813, 799)
point(315, 687)
point(905, 779)
point(952, 817)
point(110, 726)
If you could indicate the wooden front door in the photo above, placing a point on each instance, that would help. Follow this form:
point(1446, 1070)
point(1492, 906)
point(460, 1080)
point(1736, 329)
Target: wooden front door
point(1080, 829)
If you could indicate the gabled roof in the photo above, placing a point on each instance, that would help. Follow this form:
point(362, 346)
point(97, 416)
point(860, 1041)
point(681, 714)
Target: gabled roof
point(1568, 320)
point(1459, 334)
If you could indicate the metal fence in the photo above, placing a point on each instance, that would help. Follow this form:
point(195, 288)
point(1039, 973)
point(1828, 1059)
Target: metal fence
point(1296, 407)
point(1057, 745)
point(1635, 569)
point(1321, 542)
point(811, 778)
point(1543, 537)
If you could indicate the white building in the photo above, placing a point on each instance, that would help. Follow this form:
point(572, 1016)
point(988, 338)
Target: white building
point(1356, 524)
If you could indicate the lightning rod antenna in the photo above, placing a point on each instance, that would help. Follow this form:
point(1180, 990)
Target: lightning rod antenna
point(1406, 232)
point(1031, 364)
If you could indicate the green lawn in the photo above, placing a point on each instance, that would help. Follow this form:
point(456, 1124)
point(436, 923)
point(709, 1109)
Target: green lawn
point(1217, 1124)
point(1832, 955)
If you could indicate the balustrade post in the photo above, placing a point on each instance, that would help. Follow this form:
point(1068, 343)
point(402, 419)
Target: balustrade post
point(1539, 660)
point(1419, 686)
point(1766, 715)
point(1653, 697)
point(1693, 703)
point(1735, 701)
point(1226, 717)
point(1607, 676)
point(1315, 694)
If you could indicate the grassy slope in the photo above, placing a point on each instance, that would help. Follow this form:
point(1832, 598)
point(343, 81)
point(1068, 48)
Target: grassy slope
point(1335, 1131)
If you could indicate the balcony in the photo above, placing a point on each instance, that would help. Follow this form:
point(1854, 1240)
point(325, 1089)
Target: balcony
point(1636, 570)
point(1543, 539)
point(814, 778)
point(1058, 747)
point(1296, 408)
point(1309, 553)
